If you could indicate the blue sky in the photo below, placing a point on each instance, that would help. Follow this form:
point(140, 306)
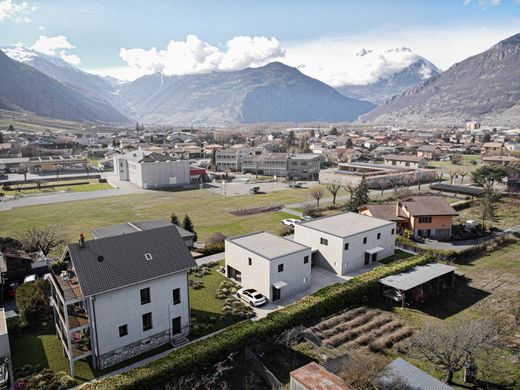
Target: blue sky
point(309, 34)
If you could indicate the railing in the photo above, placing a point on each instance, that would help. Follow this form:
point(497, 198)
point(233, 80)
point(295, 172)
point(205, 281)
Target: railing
point(69, 289)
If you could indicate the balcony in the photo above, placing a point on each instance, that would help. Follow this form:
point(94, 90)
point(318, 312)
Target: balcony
point(68, 284)
point(78, 316)
point(80, 343)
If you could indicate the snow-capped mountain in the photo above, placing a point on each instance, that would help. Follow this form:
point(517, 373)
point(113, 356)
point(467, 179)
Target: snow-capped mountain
point(385, 74)
point(62, 71)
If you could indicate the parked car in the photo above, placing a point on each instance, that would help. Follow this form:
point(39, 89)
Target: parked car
point(251, 296)
point(295, 185)
point(290, 222)
point(30, 278)
point(307, 218)
point(12, 288)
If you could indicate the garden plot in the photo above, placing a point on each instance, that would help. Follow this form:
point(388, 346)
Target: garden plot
point(364, 327)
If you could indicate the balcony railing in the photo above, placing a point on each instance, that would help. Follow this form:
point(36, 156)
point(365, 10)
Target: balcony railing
point(77, 316)
point(68, 284)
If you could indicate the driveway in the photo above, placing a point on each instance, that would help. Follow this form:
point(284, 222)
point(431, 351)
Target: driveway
point(320, 278)
point(454, 245)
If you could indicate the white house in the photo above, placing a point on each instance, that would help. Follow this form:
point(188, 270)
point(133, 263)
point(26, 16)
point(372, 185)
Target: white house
point(150, 170)
point(406, 161)
point(274, 266)
point(122, 295)
point(347, 242)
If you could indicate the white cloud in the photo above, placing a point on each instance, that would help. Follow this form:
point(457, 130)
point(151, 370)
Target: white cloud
point(16, 11)
point(484, 3)
point(57, 46)
point(196, 56)
point(334, 61)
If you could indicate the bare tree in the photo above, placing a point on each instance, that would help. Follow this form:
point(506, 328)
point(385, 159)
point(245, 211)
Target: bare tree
point(23, 169)
point(45, 238)
point(212, 380)
point(408, 180)
point(383, 185)
point(333, 189)
point(396, 181)
point(317, 193)
point(350, 188)
point(439, 175)
point(453, 173)
point(362, 370)
point(451, 345)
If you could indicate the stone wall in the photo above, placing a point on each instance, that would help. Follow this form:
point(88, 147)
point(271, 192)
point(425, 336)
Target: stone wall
point(134, 349)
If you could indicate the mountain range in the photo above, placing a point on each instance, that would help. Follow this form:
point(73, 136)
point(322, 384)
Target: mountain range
point(409, 70)
point(408, 89)
point(484, 87)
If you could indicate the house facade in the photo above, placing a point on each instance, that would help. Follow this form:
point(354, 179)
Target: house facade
point(106, 310)
point(230, 159)
point(425, 216)
point(347, 242)
point(274, 266)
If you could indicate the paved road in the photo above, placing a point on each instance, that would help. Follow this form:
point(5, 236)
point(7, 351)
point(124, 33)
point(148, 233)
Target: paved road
point(210, 258)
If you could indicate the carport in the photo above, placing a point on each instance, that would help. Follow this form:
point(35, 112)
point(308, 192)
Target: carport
point(421, 280)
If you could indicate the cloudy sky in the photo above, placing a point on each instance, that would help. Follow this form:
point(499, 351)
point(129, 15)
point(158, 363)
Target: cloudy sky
point(127, 39)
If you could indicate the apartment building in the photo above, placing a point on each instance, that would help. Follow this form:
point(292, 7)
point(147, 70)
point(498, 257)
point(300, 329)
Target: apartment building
point(347, 242)
point(406, 161)
point(149, 170)
point(231, 159)
point(120, 296)
point(274, 266)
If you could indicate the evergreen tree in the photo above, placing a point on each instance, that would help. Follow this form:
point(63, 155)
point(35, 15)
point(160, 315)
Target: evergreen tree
point(333, 131)
point(1, 138)
point(290, 138)
point(360, 196)
point(188, 225)
point(174, 219)
point(10, 128)
point(214, 158)
point(313, 133)
point(349, 143)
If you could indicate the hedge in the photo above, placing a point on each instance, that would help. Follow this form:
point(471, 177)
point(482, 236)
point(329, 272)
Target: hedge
point(204, 353)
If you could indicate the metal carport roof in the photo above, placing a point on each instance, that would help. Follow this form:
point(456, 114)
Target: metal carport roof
point(416, 276)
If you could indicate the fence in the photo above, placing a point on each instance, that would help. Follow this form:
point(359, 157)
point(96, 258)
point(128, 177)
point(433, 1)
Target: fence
point(257, 210)
point(262, 370)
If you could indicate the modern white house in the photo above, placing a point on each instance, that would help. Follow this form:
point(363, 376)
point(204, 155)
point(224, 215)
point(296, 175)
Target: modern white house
point(274, 266)
point(119, 296)
point(347, 242)
point(149, 170)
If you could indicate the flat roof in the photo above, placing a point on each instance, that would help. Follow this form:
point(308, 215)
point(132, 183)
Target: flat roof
point(416, 276)
point(268, 245)
point(466, 190)
point(346, 224)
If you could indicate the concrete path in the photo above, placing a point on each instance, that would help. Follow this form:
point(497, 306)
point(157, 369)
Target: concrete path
point(293, 212)
point(208, 259)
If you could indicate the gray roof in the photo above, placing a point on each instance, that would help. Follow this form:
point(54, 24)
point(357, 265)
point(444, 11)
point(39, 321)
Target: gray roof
point(412, 375)
point(132, 227)
point(346, 224)
point(268, 245)
point(124, 261)
point(416, 276)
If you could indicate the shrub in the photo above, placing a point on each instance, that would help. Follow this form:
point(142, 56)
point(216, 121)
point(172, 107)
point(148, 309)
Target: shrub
point(30, 299)
point(202, 354)
point(16, 325)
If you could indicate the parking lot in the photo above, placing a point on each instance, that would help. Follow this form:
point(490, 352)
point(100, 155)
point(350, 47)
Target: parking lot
point(242, 186)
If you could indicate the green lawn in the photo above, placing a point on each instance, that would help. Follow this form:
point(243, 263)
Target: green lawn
point(398, 255)
point(93, 185)
point(508, 213)
point(209, 212)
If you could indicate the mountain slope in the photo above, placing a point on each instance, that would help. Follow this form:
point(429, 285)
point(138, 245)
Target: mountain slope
point(414, 71)
point(272, 93)
point(22, 87)
point(485, 87)
point(58, 69)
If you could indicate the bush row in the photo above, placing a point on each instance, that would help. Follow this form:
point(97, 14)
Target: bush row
point(451, 255)
point(199, 355)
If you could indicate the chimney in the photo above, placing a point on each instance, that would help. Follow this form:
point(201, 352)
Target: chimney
point(397, 207)
point(81, 241)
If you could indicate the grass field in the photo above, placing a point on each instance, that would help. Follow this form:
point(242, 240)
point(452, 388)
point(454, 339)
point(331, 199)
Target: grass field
point(508, 213)
point(210, 213)
point(73, 187)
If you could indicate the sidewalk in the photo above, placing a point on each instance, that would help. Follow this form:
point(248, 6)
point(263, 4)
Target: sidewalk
point(208, 259)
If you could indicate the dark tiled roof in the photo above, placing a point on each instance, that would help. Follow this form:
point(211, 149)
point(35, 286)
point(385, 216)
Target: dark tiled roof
point(384, 211)
point(124, 262)
point(465, 190)
point(132, 227)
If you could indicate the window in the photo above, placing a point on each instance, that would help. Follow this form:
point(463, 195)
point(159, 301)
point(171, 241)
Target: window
point(145, 296)
point(249, 261)
point(364, 240)
point(280, 267)
point(346, 246)
point(176, 296)
point(147, 321)
point(148, 256)
point(393, 231)
point(324, 241)
point(425, 219)
point(305, 259)
point(123, 330)
point(378, 236)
